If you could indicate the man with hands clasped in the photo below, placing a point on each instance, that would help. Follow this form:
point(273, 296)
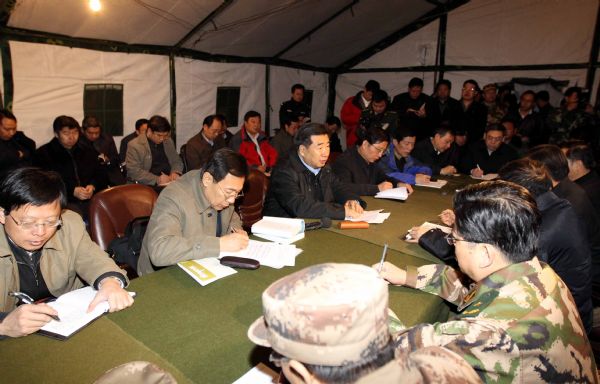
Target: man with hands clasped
point(45, 251)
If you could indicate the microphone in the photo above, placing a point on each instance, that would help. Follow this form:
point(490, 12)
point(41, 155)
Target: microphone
point(325, 222)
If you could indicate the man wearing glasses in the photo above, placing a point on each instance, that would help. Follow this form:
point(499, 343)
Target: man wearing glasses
point(194, 217)
point(45, 251)
point(490, 154)
point(151, 158)
point(473, 115)
point(516, 320)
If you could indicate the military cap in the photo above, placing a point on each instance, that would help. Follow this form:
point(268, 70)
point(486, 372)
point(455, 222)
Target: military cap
point(326, 314)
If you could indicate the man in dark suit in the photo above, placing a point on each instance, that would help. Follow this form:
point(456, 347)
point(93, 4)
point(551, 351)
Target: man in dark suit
point(16, 149)
point(489, 154)
point(202, 146)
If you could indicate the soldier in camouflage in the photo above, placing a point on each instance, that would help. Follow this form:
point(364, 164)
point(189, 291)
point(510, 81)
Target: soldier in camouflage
point(516, 321)
point(495, 112)
point(377, 115)
point(329, 323)
point(570, 121)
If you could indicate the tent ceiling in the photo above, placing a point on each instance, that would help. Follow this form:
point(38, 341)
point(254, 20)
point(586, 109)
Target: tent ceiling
point(318, 33)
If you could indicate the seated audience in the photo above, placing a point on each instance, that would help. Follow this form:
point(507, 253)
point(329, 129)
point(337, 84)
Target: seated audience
point(411, 107)
point(352, 109)
point(254, 145)
point(333, 125)
point(378, 115)
point(556, 163)
point(489, 154)
point(201, 146)
point(104, 144)
point(312, 345)
point(303, 185)
point(16, 149)
point(514, 296)
point(140, 128)
point(582, 171)
point(434, 151)
point(359, 164)
point(295, 107)
point(563, 241)
point(151, 157)
point(194, 216)
point(47, 252)
point(399, 164)
point(283, 141)
point(77, 164)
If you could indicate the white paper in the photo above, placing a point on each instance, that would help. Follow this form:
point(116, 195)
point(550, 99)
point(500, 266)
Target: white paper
point(488, 176)
point(207, 270)
point(433, 184)
point(399, 193)
point(278, 226)
point(260, 374)
point(268, 254)
point(371, 217)
point(72, 311)
point(280, 240)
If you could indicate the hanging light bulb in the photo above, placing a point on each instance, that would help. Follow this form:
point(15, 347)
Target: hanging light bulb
point(95, 5)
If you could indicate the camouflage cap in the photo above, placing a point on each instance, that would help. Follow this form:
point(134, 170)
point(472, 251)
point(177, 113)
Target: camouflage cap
point(489, 86)
point(326, 314)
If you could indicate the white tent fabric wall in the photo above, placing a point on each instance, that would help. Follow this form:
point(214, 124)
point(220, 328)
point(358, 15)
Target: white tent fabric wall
point(49, 81)
point(416, 49)
point(281, 81)
point(489, 32)
point(197, 82)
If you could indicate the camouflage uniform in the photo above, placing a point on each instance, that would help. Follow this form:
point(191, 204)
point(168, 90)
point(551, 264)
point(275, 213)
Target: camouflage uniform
point(519, 324)
point(495, 113)
point(334, 314)
point(566, 125)
point(388, 120)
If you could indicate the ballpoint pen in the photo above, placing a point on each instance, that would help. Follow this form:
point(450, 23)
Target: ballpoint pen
point(385, 247)
point(26, 299)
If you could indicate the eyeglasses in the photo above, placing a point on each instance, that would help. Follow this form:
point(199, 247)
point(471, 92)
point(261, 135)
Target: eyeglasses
point(494, 139)
point(379, 150)
point(30, 225)
point(229, 195)
point(452, 240)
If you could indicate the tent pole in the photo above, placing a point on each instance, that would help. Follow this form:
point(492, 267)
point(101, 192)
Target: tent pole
point(442, 46)
point(7, 74)
point(591, 70)
point(267, 119)
point(173, 100)
point(331, 94)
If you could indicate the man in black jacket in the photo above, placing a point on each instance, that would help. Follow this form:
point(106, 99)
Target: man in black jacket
point(16, 149)
point(302, 185)
point(489, 154)
point(77, 164)
point(435, 151)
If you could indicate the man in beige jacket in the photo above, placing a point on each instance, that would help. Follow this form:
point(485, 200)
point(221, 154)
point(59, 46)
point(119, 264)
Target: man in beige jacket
point(194, 217)
point(45, 251)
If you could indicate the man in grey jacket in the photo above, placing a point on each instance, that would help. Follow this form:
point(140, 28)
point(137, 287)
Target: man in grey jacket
point(194, 217)
point(151, 158)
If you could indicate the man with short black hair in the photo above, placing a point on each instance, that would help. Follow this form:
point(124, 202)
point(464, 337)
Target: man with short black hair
point(333, 125)
point(411, 107)
point(283, 141)
point(489, 154)
point(46, 252)
point(252, 143)
point(104, 145)
point(140, 128)
point(295, 107)
point(473, 115)
point(515, 317)
point(582, 171)
point(16, 149)
point(353, 107)
point(194, 217)
point(75, 162)
point(303, 185)
point(527, 121)
point(443, 108)
point(152, 158)
point(202, 145)
point(400, 165)
point(378, 115)
point(434, 151)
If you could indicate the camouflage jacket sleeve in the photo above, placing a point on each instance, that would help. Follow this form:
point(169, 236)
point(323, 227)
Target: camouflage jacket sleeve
point(439, 280)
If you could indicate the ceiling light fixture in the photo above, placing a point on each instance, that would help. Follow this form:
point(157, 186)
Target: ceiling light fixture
point(95, 5)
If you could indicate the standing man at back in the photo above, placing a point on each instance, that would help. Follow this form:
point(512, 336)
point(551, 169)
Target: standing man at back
point(353, 107)
point(295, 106)
point(201, 146)
point(152, 158)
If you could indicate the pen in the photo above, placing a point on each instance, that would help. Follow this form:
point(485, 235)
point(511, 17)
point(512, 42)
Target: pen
point(26, 299)
point(385, 247)
point(478, 167)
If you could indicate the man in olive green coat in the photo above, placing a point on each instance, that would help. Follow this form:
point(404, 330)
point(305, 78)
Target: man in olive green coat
point(194, 217)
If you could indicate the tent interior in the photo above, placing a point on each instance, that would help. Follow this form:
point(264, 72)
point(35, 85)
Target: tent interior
point(181, 58)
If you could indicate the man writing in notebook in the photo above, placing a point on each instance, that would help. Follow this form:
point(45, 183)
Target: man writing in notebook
point(194, 217)
point(45, 251)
